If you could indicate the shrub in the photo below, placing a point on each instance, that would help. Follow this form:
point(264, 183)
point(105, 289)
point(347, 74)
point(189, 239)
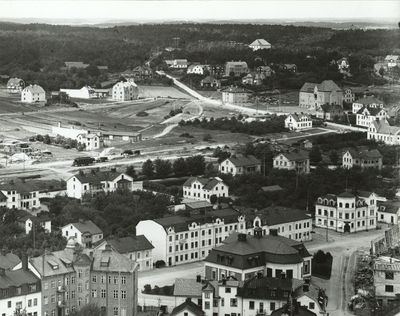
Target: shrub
point(142, 114)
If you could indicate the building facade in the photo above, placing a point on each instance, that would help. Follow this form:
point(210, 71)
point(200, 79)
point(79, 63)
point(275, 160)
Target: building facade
point(33, 93)
point(386, 279)
point(18, 194)
point(86, 233)
point(234, 95)
point(313, 95)
point(260, 44)
point(294, 160)
point(85, 92)
point(236, 67)
point(198, 188)
point(125, 91)
point(298, 121)
point(362, 158)
point(389, 212)
point(368, 102)
point(90, 140)
point(382, 131)
point(240, 165)
point(365, 116)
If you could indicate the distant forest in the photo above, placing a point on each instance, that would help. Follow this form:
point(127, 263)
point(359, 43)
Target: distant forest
point(35, 52)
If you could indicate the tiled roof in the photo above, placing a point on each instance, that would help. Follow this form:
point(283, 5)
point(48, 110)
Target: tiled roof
point(365, 153)
point(16, 278)
point(308, 87)
point(346, 194)
point(19, 186)
point(392, 207)
point(40, 218)
point(313, 293)
point(294, 155)
point(208, 79)
point(241, 161)
point(279, 215)
point(130, 244)
point(187, 287)
point(370, 111)
point(35, 89)
point(330, 107)
point(100, 176)
point(383, 127)
point(9, 260)
point(368, 100)
point(14, 82)
point(86, 226)
point(189, 306)
point(328, 85)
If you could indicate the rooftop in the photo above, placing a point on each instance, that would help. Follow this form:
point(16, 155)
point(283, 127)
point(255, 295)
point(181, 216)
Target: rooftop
point(130, 244)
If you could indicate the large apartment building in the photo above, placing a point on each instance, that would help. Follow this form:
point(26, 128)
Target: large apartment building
point(74, 277)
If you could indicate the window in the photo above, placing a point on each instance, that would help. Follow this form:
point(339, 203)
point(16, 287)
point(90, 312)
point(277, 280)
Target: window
point(94, 293)
point(115, 280)
point(53, 298)
point(79, 273)
point(32, 288)
point(251, 304)
point(123, 294)
point(94, 278)
point(115, 311)
point(227, 290)
point(207, 295)
point(35, 302)
point(115, 293)
point(272, 306)
point(123, 280)
point(80, 301)
point(389, 288)
point(72, 280)
point(73, 294)
point(234, 302)
point(311, 305)
point(206, 305)
point(103, 293)
point(80, 288)
point(123, 311)
point(45, 299)
point(45, 287)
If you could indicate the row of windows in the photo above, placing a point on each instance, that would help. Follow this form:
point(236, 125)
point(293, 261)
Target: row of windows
point(347, 215)
point(18, 290)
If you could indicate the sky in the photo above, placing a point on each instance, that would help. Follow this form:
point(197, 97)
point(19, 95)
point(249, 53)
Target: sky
point(200, 10)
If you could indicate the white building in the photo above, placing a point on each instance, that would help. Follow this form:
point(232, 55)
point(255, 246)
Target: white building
point(294, 160)
point(68, 132)
point(239, 164)
point(28, 222)
point(367, 101)
point(365, 116)
point(196, 69)
point(97, 181)
point(386, 279)
point(313, 95)
point(347, 212)
point(382, 131)
point(260, 44)
point(85, 92)
point(33, 93)
point(24, 195)
point(84, 232)
point(389, 212)
point(198, 188)
point(362, 158)
point(125, 91)
point(136, 248)
point(298, 121)
point(91, 141)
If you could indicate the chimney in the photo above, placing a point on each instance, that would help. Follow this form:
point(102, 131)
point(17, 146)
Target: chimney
point(81, 173)
point(242, 237)
point(24, 260)
point(273, 232)
point(108, 247)
point(306, 287)
point(198, 278)
point(91, 255)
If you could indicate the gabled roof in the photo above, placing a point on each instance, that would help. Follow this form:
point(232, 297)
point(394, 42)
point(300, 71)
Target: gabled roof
point(383, 127)
point(370, 111)
point(276, 215)
point(190, 307)
point(243, 161)
point(14, 82)
point(297, 117)
point(328, 85)
point(313, 293)
point(260, 42)
point(368, 100)
point(234, 90)
point(294, 155)
point(9, 260)
point(346, 194)
point(19, 186)
point(365, 153)
point(188, 288)
point(16, 278)
point(35, 89)
point(392, 207)
point(208, 79)
point(99, 176)
point(327, 108)
point(86, 227)
point(130, 244)
point(308, 87)
point(207, 183)
point(40, 218)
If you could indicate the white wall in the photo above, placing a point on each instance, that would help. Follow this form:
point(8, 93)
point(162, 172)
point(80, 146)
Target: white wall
point(157, 236)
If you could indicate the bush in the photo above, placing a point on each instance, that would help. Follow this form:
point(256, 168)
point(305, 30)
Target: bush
point(142, 114)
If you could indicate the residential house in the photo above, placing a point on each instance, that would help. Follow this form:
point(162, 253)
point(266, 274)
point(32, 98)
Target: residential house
point(190, 289)
point(296, 121)
point(125, 91)
point(28, 222)
point(236, 67)
point(210, 82)
point(15, 85)
point(293, 309)
point(86, 233)
point(265, 70)
point(143, 72)
point(20, 290)
point(33, 93)
point(20, 194)
point(239, 164)
point(136, 248)
point(294, 160)
point(347, 212)
point(242, 255)
point(196, 69)
point(216, 70)
point(382, 131)
point(313, 95)
point(253, 78)
point(386, 273)
point(365, 116)
point(97, 181)
point(311, 297)
point(91, 141)
point(8, 261)
point(85, 92)
point(367, 102)
point(330, 112)
point(348, 96)
point(177, 63)
point(392, 61)
point(290, 68)
point(389, 212)
point(260, 44)
point(364, 158)
point(198, 188)
point(234, 95)
point(187, 308)
point(74, 277)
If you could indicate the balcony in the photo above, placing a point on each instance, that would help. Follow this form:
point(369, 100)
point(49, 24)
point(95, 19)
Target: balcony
point(61, 288)
point(261, 312)
point(60, 304)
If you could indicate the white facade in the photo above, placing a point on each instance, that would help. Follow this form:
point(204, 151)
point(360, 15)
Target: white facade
point(382, 131)
point(31, 301)
point(46, 225)
point(198, 190)
point(33, 93)
point(124, 91)
point(91, 141)
point(16, 199)
point(196, 69)
point(157, 236)
point(292, 161)
point(85, 92)
point(298, 122)
point(366, 117)
point(70, 132)
point(80, 236)
point(386, 279)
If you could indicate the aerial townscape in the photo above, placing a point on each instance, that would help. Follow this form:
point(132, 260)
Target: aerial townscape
point(201, 165)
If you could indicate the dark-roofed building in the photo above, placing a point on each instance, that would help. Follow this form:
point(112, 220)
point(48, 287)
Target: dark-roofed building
point(239, 164)
point(97, 181)
point(297, 160)
point(188, 289)
point(293, 309)
point(8, 260)
point(86, 233)
point(382, 131)
point(29, 221)
point(365, 116)
point(272, 188)
point(234, 95)
point(136, 248)
point(347, 212)
point(187, 308)
point(199, 188)
point(330, 112)
point(386, 274)
point(389, 212)
point(20, 194)
point(74, 277)
point(368, 102)
point(236, 67)
point(364, 158)
point(210, 82)
point(242, 255)
point(20, 289)
point(143, 72)
point(296, 121)
point(313, 95)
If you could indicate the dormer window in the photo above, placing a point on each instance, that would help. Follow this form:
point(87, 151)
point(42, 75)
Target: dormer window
point(53, 264)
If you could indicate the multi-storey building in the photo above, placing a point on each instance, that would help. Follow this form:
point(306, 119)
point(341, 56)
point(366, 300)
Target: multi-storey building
point(242, 255)
point(365, 116)
point(33, 93)
point(97, 181)
point(72, 278)
point(91, 141)
point(294, 160)
point(198, 188)
point(260, 44)
point(236, 67)
point(368, 102)
point(20, 290)
point(85, 233)
point(382, 131)
point(389, 212)
point(124, 91)
point(238, 164)
point(136, 248)
point(386, 279)
point(347, 212)
point(298, 121)
point(348, 96)
point(19, 194)
point(362, 158)
point(313, 95)
point(234, 95)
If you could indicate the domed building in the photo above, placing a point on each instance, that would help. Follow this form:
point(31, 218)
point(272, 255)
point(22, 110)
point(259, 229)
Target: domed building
point(15, 85)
